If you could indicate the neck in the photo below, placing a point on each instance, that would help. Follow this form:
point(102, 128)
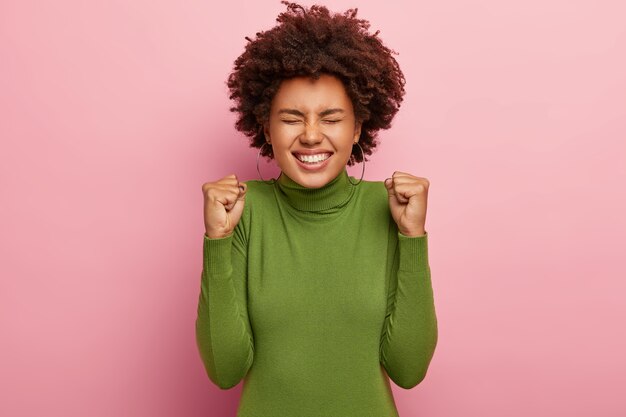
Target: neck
point(334, 194)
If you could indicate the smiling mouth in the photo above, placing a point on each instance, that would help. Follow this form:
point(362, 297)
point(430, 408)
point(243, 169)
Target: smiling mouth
point(313, 159)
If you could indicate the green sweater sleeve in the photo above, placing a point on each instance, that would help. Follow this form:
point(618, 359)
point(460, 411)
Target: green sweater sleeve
point(223, 332)
point(410, 331)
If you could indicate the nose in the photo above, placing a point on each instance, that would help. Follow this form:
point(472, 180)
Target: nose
point(311, 134)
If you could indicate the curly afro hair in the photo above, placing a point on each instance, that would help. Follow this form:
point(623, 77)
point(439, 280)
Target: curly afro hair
point(310, 42)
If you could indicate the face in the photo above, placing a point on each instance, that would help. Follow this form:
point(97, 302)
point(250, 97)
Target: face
point(312, 129)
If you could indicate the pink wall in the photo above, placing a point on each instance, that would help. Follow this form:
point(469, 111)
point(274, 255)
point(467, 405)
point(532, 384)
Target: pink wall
point(114, 113)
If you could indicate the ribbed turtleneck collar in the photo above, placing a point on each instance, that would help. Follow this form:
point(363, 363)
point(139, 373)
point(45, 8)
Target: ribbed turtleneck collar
point(334, 194)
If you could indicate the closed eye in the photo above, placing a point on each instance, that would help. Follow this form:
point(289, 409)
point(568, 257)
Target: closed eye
point(332, 121)
point(290, 121)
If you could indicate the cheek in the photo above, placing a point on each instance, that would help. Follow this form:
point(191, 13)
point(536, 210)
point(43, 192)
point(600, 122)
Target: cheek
point(343, 138)
point(285, 133)
point(280, 141)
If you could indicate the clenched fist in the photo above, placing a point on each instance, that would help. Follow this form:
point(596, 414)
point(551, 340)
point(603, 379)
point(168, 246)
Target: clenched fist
point(408, 197)
point(223, 205)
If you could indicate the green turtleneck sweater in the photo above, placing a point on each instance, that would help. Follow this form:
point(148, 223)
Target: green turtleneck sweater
point(314, 299)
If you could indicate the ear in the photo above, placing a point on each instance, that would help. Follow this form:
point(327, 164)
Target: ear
point(357, 131)
point(266, 131)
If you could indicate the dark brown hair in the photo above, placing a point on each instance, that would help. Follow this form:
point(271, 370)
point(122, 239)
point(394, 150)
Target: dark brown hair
point(311, 42)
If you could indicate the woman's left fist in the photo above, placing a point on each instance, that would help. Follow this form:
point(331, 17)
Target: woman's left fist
point(408, 197)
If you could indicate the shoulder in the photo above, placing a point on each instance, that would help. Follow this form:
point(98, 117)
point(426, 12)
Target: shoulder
point(259, 187)
point(373, 190)
point(259, 197)
point(259, 193)
point(373, 196)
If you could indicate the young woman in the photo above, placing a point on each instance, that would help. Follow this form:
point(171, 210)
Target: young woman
point(316, 286)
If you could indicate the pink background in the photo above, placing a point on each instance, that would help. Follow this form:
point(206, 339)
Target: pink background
point(114, 113)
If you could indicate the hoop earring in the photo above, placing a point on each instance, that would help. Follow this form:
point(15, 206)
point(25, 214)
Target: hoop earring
point(258, 156)
point(362, 170)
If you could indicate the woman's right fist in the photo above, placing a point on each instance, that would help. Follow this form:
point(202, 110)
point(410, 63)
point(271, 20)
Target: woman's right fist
point(223, 205)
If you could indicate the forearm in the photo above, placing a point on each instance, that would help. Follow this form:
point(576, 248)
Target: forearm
point(222, 329)
point(410, 335)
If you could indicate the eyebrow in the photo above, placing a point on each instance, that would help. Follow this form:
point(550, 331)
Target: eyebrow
point(321, 114)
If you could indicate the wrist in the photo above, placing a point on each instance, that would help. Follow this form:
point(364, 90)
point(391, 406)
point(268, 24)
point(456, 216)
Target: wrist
point(216, 235)
point(413, 233)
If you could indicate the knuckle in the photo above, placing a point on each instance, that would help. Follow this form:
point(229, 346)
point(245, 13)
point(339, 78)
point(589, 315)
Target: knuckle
point(228, 179)
point(213, 193)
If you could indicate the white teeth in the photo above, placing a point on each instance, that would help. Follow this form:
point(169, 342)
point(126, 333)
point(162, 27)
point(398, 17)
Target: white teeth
point(313, 158)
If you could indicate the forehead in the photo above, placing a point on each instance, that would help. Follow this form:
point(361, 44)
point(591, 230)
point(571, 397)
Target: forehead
point(309, 94)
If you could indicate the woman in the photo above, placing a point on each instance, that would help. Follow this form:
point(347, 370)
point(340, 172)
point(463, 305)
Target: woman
point(316, 286)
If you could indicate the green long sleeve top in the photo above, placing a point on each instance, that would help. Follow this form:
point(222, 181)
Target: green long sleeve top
point(313, 300)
